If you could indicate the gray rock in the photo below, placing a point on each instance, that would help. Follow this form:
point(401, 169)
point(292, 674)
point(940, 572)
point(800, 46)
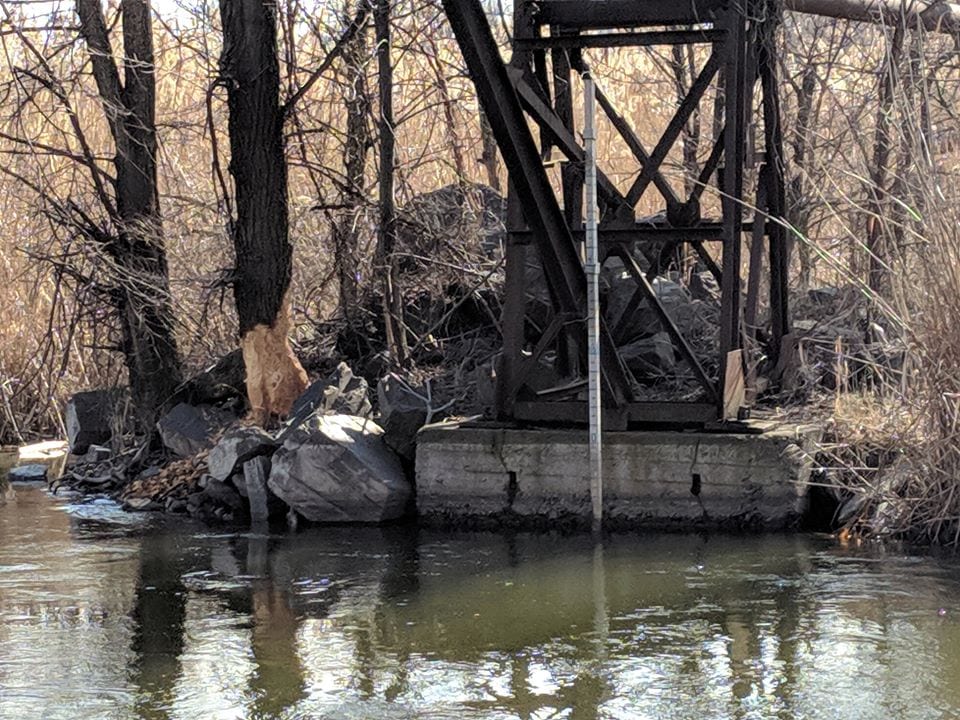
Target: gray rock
point(88, 418)
point(176, 506)
point(236, 447)
point(149, 472)
point(224, 380)
point(97, 453)
point(402, 414)
point(142, 504)
point(28, 473)
point(650, 357)
point(188, 429)
point(644, 320)
point(824, 294)
point(341, 393)
point(339, 469)
point(220, 494)
point(256, 472)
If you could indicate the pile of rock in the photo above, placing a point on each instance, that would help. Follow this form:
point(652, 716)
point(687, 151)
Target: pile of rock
point(645, 346)
point(329, 463)
point(838, 341)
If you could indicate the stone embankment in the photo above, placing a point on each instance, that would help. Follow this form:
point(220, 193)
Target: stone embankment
point(330, 462)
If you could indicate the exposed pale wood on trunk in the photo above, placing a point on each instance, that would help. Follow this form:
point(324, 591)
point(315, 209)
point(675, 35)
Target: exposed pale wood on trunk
point(249, 69)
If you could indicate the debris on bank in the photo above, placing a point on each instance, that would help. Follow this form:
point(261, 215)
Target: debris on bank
point(330, 462)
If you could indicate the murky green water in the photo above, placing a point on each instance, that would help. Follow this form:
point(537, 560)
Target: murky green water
point(104, 615)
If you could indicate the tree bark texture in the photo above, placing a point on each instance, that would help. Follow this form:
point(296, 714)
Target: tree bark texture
point(143, 289)
point(877, 229)
point(249, 68)
point(931, 15)
point(489, 158)
point(386, 240)
point(356, 145)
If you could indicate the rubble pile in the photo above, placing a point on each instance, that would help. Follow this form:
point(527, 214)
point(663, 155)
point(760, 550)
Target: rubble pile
point(329, 462)
point(840, 343)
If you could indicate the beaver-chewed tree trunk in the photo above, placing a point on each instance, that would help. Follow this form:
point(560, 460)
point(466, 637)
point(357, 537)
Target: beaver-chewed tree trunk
point(142, 288)
point(250, 71)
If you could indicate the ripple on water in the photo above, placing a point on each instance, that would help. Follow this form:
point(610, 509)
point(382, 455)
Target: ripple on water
point(104, 614)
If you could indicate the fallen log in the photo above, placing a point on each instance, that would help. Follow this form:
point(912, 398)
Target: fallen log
point(931, 15)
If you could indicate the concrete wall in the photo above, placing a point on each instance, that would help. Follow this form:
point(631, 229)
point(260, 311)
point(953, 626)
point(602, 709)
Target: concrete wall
point(497, 474)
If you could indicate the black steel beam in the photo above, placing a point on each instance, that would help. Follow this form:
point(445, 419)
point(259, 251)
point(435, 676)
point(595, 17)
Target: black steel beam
point(633, 142)
point(547, 119)
point(600, 14)
point(561, 263)
point(621, 39)
point(575, 412)
point(734, 141)
point(776, 232)
point(670, 135)
point(679, 341)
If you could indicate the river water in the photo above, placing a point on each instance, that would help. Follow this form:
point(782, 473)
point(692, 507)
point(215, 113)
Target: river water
point(110, 615)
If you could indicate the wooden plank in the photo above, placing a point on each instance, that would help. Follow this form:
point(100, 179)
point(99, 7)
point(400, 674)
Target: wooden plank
point(734, 385)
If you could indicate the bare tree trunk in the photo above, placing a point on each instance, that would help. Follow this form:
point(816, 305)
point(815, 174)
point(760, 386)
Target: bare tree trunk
point(798, 212)
point(433, 58)
point(386, 240)
point(683, 66)
point(250, 70)
point(356, 145)
point(489, 157)
point(876, 230)
point(910, 130)
point(143, 294)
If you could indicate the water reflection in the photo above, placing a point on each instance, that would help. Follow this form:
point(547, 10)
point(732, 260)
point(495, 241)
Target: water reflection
point(104, 615)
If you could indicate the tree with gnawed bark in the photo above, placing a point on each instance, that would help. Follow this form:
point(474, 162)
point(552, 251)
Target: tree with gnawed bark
point(250, 71)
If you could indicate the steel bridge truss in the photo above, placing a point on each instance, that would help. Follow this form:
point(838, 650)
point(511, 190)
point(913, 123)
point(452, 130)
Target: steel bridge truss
point(552, 39)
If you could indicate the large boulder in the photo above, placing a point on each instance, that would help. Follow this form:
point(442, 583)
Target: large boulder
point(89, 419)
point(337, 468)
point(224, 380)
point(431, 223)
point(403, 412)
point(189, 429)
point(340, 393)
point(651, 357)
point(236, 447)
point(644, 321)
